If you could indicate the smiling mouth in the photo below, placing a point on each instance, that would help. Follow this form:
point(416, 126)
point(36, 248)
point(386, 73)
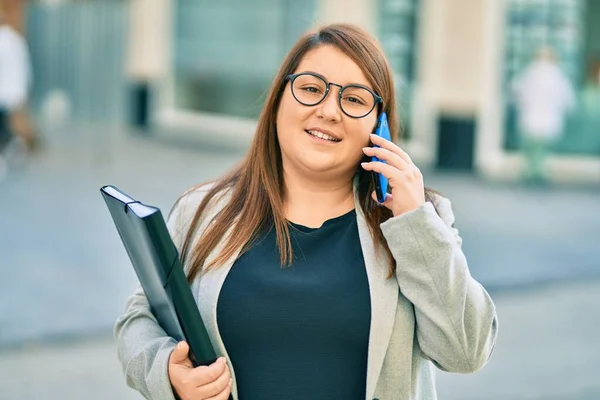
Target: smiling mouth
point(322, 136)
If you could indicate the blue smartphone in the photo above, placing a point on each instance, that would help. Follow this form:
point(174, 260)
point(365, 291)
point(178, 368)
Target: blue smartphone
point(380, 181)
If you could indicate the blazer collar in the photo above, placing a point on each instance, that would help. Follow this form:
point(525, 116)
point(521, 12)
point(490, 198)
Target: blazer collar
point(384, 300)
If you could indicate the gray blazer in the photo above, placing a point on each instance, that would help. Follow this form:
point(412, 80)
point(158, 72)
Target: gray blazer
point(431, 313)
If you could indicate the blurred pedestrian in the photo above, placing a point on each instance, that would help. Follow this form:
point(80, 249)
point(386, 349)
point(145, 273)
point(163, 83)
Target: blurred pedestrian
point(544, 96)
point(15, 77)
point(310, 288)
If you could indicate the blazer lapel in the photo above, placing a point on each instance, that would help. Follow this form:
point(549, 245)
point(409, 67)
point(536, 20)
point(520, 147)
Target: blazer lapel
point(208, 289)
point(384, 300)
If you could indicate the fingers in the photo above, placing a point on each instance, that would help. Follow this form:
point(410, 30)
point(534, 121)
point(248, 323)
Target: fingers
point(179, 356)
point(390, 146)
point(219, 389)
point(388, 156)
point(203, 382)
point(393, 156)
point(388, 199)
point(223, 395)
point(211, 374)
point(392, 173)
point(387, 170)
point(404, 178)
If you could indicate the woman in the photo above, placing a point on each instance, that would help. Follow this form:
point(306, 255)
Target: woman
point(309, 288)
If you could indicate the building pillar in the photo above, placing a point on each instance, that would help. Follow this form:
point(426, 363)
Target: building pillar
point(449, 82)
point(489, 153)
point(360, 12)
point(148, 56)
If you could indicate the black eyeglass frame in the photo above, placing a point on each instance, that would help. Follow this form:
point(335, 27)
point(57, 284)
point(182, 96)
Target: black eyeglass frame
point(292, 78)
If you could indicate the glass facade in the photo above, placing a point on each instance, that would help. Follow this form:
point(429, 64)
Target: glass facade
point(397, 32)
point(227, 52)
point(66, 59)
point(565, 26)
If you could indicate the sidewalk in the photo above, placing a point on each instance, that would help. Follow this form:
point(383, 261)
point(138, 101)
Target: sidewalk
point(548, 349)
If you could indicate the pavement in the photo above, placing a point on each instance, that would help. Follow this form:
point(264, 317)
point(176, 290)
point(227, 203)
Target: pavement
point(548, 349)
point(66, 275)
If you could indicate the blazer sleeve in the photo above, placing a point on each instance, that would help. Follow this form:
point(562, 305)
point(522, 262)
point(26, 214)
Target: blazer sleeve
point(456, 322)
point(143, 347)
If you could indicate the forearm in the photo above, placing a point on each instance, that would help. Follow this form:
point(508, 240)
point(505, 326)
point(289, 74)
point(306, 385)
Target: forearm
point(144, 349)
point(455, 316)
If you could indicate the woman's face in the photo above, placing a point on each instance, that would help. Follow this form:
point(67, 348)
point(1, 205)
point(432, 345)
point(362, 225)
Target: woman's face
point(302, 151)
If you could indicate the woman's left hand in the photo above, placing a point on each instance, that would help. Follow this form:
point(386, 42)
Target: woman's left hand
point(404, 178)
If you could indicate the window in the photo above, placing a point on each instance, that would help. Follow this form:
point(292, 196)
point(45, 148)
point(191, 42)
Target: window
point(227, 52)
point(565, 26)
point(398, 29)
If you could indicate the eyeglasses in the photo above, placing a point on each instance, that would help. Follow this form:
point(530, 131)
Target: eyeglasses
point(310, 89)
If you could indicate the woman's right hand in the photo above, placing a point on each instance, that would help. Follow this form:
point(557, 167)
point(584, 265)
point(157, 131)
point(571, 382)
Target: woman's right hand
point(210, 382)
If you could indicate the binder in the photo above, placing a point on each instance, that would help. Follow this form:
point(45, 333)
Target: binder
point(158, 267)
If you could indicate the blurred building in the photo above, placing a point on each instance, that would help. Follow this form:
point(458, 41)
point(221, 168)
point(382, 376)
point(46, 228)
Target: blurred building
point(206, 65)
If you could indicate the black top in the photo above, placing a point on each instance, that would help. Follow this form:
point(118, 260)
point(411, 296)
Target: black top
point(299, 332)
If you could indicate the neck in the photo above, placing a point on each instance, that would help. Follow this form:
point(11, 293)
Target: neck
point(310, 202)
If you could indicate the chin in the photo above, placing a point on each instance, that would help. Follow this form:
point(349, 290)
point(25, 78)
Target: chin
point(319, 165)
point(316, 167)
point(332, 167)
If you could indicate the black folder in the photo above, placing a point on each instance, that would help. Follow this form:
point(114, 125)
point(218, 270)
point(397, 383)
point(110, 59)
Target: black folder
point(158, 267)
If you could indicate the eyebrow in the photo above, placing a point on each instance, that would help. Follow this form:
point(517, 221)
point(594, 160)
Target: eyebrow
point(327, 80)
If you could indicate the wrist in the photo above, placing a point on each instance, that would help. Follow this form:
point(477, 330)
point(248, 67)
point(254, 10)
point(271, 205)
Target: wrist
point(406, 209)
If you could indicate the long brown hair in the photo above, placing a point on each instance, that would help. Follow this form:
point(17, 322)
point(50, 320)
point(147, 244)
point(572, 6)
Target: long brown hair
point(256, 184)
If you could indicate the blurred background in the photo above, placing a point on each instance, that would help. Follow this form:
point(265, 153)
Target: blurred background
point(500, 108)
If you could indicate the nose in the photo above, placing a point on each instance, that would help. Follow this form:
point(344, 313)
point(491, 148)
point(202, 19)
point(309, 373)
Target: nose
point(329, 108)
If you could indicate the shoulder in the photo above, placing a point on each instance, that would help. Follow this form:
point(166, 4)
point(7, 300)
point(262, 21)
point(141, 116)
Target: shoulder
point(187, 204)
point(183, 212)
point(191, 198)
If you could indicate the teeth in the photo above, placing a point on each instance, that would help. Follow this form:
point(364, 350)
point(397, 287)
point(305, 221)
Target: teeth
point(321, 135)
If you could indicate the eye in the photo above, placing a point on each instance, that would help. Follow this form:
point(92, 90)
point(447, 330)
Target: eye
point(312, 89)
point(354, 100)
